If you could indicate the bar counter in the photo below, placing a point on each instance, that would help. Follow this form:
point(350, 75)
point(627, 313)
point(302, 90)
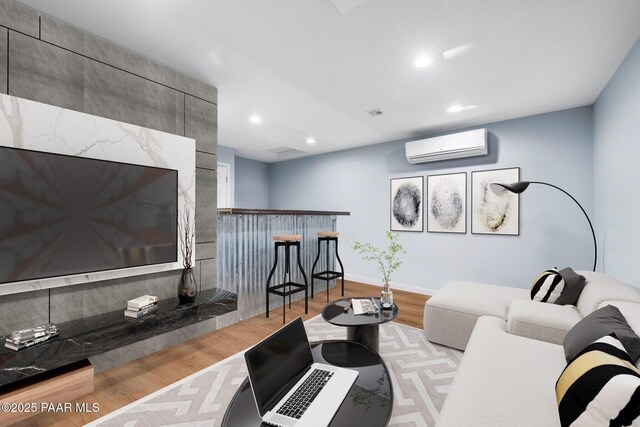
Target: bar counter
point(246, 252)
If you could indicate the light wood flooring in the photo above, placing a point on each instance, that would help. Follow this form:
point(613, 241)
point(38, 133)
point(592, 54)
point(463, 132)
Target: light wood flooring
point(127, 383)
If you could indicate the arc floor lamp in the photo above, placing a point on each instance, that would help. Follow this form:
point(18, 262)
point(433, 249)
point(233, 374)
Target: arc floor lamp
point(520, 186)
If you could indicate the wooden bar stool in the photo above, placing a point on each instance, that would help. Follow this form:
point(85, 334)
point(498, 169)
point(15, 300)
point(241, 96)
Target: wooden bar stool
point(287, 241)
point(327, 275)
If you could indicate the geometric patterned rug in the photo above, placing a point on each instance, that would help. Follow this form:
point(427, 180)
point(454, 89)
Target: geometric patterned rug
point(421, 373)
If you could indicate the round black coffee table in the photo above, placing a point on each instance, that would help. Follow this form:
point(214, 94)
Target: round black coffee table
point(368, 403)
point(363, 328)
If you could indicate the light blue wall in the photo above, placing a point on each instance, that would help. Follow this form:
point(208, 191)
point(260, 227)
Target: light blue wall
point(554, 147)
point(228, 155)
point(251, 184)
point(616, 135)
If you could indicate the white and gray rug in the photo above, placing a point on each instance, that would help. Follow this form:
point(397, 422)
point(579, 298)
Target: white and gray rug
point(421, 373)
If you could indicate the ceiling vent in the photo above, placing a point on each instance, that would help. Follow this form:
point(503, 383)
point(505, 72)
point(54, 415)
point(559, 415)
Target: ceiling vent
point(285, 151)
point(375, 112)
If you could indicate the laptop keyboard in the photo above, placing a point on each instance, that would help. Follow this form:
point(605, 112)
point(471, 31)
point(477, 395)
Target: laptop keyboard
point(301, 399)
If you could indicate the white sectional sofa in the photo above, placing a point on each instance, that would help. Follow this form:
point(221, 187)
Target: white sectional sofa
point(513, 353)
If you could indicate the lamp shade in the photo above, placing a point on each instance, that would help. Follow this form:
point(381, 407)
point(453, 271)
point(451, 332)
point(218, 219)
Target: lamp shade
point(517, 187)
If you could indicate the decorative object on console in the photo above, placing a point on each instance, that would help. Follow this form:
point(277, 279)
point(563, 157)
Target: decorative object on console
point(141, 306)
point(28, 337)
point(386, 261)
point(499, 188)
point(141, 302)
point(406, 204)
point(548, 286)
point(600, 387)
point(447, 203)
point(187, 291)
point(604, 321)
point(493, 213)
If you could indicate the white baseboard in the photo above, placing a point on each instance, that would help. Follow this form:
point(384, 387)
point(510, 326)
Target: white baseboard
point(394, 285)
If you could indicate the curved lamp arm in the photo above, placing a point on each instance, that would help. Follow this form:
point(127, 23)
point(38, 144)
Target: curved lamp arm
point(519, 187)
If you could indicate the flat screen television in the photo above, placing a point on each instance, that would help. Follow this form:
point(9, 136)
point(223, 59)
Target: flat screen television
point(65, 215)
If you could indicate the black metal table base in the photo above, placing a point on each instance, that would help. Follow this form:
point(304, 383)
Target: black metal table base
point(368, 335)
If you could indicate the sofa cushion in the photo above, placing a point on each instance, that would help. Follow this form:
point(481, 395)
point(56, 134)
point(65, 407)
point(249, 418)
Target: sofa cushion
point(504, 380)
point(600, 288)
point(573, 285)
point(451, 314)
point(631, 313)
point(540, 321)
point(547, 287)
point(600, 387)
point(600, 323)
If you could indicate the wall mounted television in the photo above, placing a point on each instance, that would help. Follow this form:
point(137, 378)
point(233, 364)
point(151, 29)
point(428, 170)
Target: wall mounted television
point(64, 215)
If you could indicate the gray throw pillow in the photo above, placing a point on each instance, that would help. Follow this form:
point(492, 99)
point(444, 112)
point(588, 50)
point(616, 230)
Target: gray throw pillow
point(573, 286)
point(605, 321)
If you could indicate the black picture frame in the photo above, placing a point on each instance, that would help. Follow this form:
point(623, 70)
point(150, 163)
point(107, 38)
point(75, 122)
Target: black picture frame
point(430, 178)
point(395, 223)
point(477, 226)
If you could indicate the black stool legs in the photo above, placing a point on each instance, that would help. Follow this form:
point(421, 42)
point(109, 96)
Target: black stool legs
point(327, 275)
point(288, 283)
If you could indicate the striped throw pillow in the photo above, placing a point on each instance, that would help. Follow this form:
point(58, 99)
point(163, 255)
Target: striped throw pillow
point(547, 287)
point(600, 387)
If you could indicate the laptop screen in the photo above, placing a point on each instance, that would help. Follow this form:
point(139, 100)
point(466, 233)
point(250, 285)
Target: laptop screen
point(276, 361)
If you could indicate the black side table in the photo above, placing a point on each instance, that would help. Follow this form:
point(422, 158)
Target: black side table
point(363, 328)
point(368, 403)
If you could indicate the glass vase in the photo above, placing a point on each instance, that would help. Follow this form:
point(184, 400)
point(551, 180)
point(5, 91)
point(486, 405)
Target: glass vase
point(387, 296)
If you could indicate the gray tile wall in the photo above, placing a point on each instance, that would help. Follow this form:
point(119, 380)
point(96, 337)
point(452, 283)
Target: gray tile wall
point(20, 18)
point(49, 61)
point(4, 52)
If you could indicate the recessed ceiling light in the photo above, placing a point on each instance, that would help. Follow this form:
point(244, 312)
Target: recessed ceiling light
point(459, 108)
point(311, 141)
point(422, 61)
point(255, 119)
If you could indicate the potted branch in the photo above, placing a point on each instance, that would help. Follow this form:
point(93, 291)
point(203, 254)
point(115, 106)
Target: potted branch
point(187, 290)
point(386, 261)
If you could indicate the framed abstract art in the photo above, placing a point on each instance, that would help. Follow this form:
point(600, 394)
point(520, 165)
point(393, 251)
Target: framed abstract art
point(406, 208)
point(447, 203)
point(491, 213)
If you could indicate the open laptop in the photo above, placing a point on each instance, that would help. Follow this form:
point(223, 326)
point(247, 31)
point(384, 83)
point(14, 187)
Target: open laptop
point(288, 387)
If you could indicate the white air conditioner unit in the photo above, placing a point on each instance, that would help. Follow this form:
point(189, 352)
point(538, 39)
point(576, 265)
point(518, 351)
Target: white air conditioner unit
point(455, 146)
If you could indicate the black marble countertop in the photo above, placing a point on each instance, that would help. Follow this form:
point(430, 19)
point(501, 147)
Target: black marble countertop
point(240, 211)
point(83, 338)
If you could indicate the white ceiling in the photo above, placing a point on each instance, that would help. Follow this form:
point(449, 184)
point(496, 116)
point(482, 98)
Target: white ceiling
point(313, 67)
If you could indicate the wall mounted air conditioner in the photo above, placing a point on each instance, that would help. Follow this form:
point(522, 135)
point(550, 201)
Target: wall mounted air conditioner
point(455, 146)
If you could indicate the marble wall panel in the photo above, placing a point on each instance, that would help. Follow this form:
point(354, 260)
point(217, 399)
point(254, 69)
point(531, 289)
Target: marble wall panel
point(206, 211)
point(201, 123)
point(4, 51)
point(118, 95)
point(24, 310)
point(19, 17)
point(45, 73)
point(32, 125)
